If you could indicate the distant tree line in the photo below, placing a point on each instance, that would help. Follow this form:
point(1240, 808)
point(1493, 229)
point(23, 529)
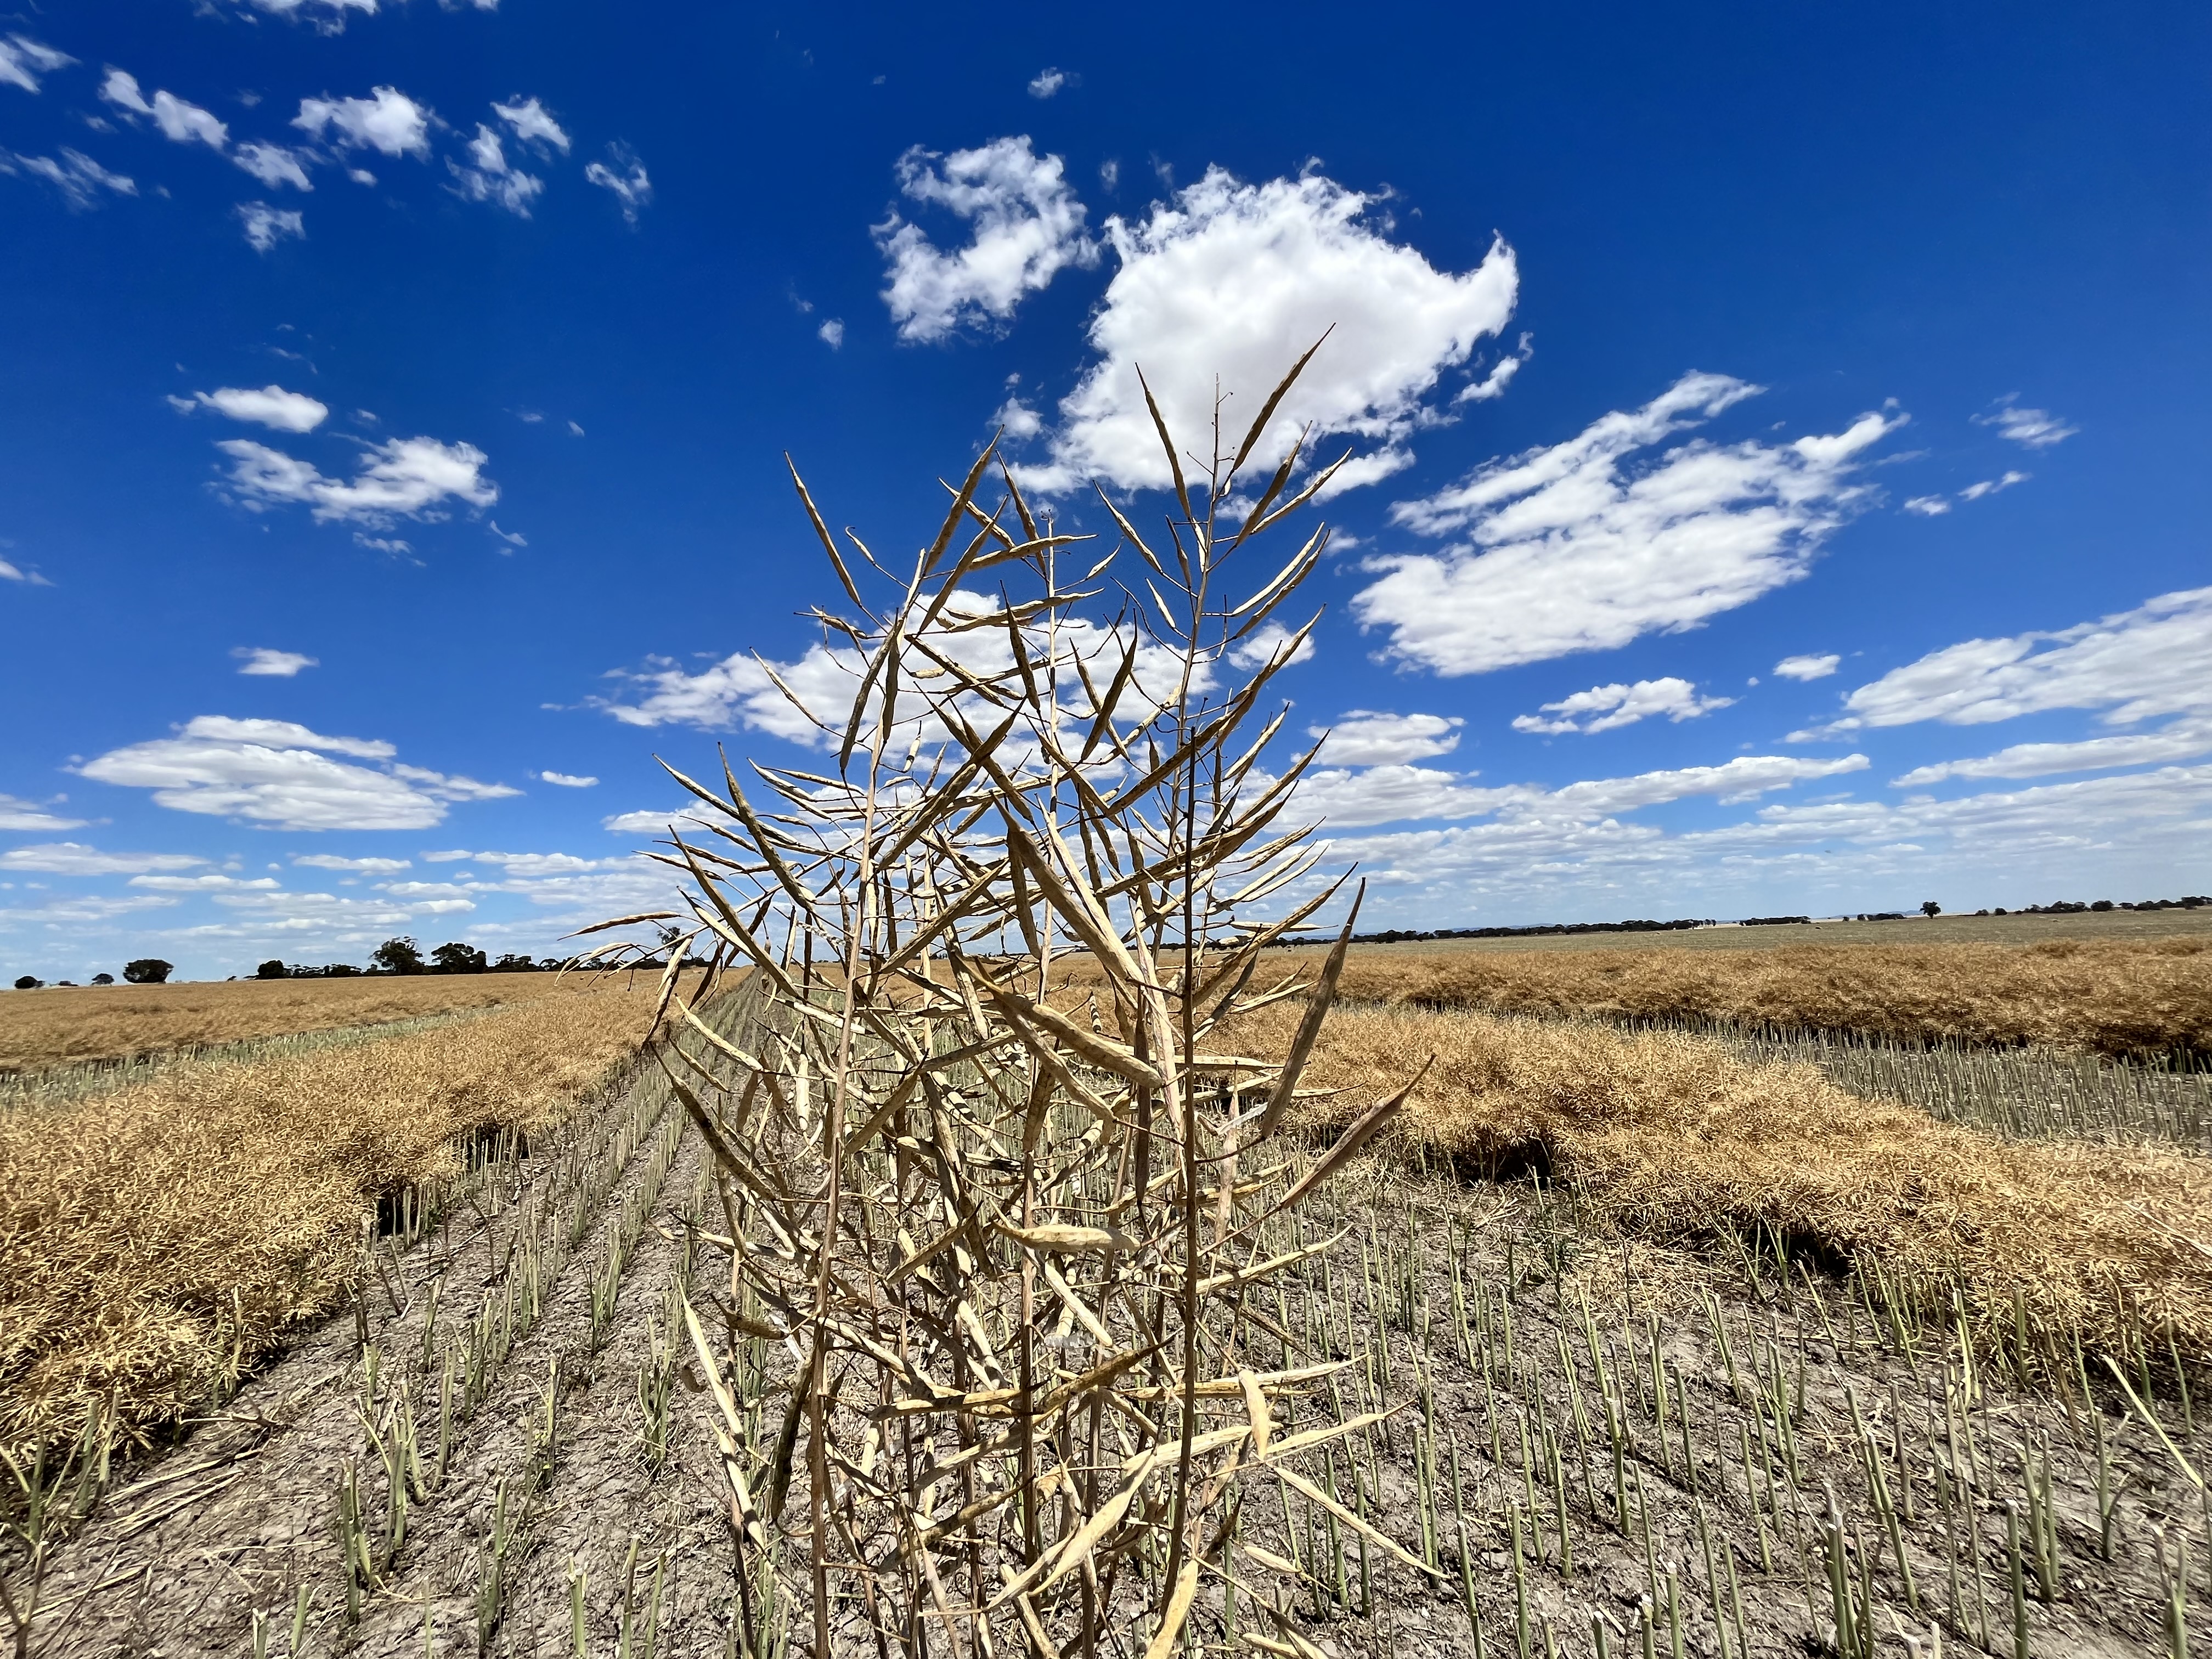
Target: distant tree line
point(1929, 907)
point(144, 971)
point(404, 957)
point(2065, 907)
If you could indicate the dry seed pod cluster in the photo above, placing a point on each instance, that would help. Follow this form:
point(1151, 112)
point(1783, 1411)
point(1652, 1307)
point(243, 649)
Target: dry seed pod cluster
point(1010, 1240)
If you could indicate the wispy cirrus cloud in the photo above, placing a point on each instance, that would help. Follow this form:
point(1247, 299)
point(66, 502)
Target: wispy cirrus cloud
point(2031, 428)
point(1573, 547)
point(623, 176)
point(23, 60)
point(82, 182)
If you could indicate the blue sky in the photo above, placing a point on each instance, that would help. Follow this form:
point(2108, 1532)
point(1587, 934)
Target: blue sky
point(1780, 433)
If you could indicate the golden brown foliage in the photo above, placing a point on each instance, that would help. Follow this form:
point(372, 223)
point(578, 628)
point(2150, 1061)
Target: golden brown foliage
point(149, 1234)
point(2115, 998)
point(1666, 1136)
point(70, 1025)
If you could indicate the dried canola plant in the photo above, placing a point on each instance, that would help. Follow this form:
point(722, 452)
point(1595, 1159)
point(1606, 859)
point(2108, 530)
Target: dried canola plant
point(1012, 1251)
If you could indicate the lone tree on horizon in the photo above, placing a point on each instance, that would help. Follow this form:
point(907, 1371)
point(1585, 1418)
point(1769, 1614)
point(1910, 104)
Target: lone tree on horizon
point(148, 970)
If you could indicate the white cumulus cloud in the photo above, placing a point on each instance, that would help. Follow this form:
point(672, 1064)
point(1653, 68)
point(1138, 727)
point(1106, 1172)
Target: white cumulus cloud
point(274, 165)
point(488, 176)
point(329, 16)
point(1810, 667)
point(268, 406)
point(1603, 708)
point(569, 780)
point(281, 774)
point(1492, 385)
point(653, 824)
point(29, 814)
point(1929, 507)
point(1392, 793)
point(534, 123)
point(1570, 548)
point(1259, 647)
point(180, 123)
point(333, 861)
point(1235, 280)
point(261, 660)
point(1046, 81)
point(1026, 225)
point(388, 121)
point(403, 478)
point(2156, 659)
point(265, 226)
point(1344, 798)
point(2184, 739)
point(207, 884)
point(69, 858)
point(1365, 738)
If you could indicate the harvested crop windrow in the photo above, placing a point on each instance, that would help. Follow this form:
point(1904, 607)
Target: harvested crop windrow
point(65, 1026)
point(356, 1484)
point(1664, 1134)
point(2120, 998)
point(156, 1241)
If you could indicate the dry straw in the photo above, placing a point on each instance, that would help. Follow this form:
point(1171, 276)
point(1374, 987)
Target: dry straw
point(74, 1026)
point(157, 1240)
point(2133, 998)
point(1010, 1248)
point(1663, 1135)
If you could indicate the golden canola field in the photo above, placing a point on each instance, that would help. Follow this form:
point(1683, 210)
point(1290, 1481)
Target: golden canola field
point(152, 1234)
point(70, 1025)
point(2110, 996)
point(185, 1225)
